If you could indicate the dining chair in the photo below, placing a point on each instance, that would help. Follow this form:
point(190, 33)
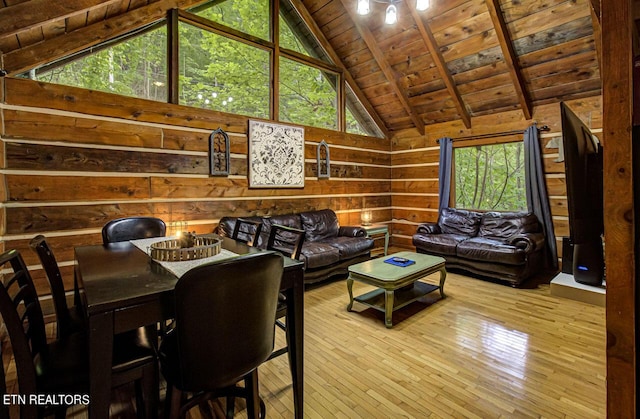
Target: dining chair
point(61, 366)
point(288, 241)
point(68, 319)
point(247, 231)
point(224, 330)
point(132, 228)
point(71, 320)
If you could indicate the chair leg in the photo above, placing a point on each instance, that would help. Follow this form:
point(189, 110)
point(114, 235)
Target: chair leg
point(140, 408)
point(231, 406)
point(253, 395)
point(172, 402)
point(147, 389)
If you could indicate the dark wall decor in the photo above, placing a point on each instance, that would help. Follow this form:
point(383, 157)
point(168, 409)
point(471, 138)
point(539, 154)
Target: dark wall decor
point(219, 159)
point(324, 160)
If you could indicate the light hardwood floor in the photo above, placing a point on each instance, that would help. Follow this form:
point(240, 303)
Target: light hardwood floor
point(486, 351)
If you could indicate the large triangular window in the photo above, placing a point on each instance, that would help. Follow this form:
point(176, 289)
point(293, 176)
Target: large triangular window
point(358, 120)
point(133, 65)
point(225, 62)
point(296, 36)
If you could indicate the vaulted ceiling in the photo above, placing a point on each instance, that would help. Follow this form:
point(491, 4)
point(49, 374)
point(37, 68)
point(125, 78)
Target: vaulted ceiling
point(457, 60)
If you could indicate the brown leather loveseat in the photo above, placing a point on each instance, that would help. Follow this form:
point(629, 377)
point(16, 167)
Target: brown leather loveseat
point(328, 248)
point(503, 245)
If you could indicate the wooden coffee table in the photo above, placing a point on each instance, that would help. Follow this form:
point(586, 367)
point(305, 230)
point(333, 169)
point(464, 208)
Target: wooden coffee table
point(398, 286)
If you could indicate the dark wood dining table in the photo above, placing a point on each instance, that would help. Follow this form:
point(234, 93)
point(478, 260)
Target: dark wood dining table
point(123, 289)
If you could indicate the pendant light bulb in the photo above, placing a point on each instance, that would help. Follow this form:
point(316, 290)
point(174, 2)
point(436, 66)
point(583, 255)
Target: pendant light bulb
point(363, 7)
point(422, 5)
point(391, 16)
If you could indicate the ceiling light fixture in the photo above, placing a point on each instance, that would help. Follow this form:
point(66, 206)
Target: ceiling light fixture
point(391, 15)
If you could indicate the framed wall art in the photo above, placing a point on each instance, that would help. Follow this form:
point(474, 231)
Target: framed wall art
point(276, 155)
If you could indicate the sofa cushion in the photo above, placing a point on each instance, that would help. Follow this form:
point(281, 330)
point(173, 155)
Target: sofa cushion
point(289, 220)
point(441, 244)
point(489, 250)
point(318, 255)
point(350, 247)
point(460, 222)
point(502, 225)
point(319, 224)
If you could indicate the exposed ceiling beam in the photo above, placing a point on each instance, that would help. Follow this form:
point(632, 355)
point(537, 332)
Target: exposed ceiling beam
point(438, 59)
point(27, 15)
point(384, 65)
point(510, 56)
point(21, 60)
point(315, 29)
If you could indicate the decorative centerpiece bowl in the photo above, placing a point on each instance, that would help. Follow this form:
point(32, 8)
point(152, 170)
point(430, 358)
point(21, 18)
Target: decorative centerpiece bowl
point(187, 246)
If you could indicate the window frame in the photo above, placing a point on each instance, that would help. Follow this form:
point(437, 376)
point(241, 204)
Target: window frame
point(371, 127)
point(481, 143)
point(273, 47)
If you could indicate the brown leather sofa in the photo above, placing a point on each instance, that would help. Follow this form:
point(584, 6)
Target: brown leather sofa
point(502, 245)
point(328, 248)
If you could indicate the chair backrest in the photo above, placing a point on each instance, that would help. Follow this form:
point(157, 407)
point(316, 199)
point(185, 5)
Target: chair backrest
point(246, 231)
point(132, 228)
point(50, 265)
point(23, 319)
point(286, 240)
point(225, 315)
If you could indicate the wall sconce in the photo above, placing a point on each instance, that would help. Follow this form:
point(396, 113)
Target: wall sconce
point(365, 217)
point(324, 160)
point(177, 228)
point(219, 153)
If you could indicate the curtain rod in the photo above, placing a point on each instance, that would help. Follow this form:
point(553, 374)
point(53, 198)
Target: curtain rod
point(498, 134)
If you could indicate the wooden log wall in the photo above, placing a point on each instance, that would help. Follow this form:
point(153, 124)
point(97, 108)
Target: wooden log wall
point(414, 159)
point(74, 159)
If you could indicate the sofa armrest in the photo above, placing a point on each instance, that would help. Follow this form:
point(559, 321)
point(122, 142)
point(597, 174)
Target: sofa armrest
point(529, 242)
point(429, 228)
point(352, 231)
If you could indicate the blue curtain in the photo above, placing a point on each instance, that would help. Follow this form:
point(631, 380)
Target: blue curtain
point(537, 197)
point(444, 172)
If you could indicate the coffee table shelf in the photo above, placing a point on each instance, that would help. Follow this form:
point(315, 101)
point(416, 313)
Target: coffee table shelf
point(402, 297)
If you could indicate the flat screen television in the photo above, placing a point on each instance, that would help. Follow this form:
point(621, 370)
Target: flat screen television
point(583, 170)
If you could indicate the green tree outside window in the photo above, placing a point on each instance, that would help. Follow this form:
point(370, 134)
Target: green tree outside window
point(250, 17)
point(490, 177)
point(136, 66)
point(222, 74)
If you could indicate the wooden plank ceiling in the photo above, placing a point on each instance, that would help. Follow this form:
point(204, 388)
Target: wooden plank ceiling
point(457, 60)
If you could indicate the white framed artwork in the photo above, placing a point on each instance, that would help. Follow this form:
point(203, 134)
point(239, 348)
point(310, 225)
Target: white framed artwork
point(276, 155)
